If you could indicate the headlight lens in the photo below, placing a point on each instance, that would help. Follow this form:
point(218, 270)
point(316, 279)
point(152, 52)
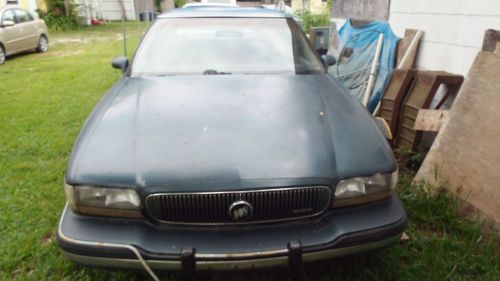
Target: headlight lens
point(104, 201)
point(107, 197)
point(364, 189)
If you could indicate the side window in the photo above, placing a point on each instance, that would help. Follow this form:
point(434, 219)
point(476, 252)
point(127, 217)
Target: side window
point(8, 15)
point(22, 16)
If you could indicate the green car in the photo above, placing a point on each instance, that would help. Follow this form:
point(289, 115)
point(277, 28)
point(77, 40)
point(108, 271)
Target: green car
point(227, 145)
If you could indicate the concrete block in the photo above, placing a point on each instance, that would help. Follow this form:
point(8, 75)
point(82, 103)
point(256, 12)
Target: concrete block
point(362, 9)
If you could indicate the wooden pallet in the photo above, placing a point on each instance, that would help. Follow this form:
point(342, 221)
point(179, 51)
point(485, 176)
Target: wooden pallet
point(391, 102)
point(421, 93)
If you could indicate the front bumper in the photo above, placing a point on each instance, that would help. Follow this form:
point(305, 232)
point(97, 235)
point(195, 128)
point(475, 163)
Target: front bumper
point(123, 243)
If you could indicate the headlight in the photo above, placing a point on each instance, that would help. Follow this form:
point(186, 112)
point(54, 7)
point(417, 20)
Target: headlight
point(364, 189)
point(117, 202)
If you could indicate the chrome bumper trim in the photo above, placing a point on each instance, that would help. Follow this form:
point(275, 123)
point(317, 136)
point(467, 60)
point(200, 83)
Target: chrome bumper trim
point(255, 260)
point(140, 261)
point(229, 265)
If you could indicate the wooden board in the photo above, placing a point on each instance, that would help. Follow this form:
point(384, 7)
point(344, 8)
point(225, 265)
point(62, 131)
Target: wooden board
point(404, 50)
point(430, 120)
point(465, 157)
point(491, 38)
point(395, 93)
point(334, 40)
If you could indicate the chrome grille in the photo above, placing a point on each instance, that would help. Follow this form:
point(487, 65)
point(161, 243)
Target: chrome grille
point(213, 207)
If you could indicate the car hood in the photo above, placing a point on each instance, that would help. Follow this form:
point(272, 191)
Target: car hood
point(227, 132)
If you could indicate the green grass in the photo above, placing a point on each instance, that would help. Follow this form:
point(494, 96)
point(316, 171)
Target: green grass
point(44, 100)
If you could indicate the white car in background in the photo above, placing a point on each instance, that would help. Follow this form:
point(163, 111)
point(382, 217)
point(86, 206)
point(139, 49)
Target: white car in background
point(212, 3)
point(228, 2)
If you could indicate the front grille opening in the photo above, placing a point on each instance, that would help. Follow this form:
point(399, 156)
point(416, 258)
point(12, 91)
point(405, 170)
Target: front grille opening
point(236, 207)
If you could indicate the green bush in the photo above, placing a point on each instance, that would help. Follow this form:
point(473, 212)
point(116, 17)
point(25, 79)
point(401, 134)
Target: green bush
point(313, 20)
point(180, 3)
point(60, 22)
point(56, 18)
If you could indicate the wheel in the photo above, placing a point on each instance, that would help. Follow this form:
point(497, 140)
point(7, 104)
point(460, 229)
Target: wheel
point(2, 55)
point(43, 44)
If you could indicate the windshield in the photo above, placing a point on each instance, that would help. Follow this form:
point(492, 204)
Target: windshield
point(225, 46)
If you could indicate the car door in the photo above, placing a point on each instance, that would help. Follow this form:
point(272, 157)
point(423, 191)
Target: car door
point(12, 37)
point(27, 30)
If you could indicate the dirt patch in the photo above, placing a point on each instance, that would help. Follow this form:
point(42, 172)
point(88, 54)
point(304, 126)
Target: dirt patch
point(47, 239)
point(66, 40)
point(68, 53)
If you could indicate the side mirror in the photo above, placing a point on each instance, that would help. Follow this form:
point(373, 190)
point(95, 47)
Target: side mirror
point(328, 60)
point(120, 63)
point(7, 23)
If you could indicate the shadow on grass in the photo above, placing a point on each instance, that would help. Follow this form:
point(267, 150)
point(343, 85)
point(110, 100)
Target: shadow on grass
point(24, 54)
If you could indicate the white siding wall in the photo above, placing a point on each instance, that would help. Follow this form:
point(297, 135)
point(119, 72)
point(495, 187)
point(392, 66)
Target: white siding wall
point(111, 9)
point(454, 29)
point(29, 5)
point(33, 6)
point(108, 9)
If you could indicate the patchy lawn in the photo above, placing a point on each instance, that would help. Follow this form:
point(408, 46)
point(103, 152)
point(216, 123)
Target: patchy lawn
point(44, 100)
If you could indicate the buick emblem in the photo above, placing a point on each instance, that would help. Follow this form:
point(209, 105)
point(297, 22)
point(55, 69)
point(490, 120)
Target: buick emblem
point(240, 210)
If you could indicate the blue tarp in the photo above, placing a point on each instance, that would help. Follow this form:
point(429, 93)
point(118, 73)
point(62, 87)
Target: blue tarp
point(355, 56)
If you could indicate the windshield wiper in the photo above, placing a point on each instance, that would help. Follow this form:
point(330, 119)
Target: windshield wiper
point(307, 71)
point(214, 72)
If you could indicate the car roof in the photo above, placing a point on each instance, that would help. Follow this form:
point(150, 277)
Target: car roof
point(223, 12)
point(196, 4)
point(10, 6)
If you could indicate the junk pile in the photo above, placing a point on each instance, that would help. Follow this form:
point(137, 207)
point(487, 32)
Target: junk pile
point(365, 60)
point(409, 92)
point(464, 158)
point(377, 67)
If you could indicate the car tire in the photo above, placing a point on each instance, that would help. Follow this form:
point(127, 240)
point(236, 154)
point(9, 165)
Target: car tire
point(2, 55)
point(43, 44)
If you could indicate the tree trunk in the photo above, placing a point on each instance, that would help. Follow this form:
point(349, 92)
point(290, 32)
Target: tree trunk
point(167, 5)
point(124, 13)
point(66, 7)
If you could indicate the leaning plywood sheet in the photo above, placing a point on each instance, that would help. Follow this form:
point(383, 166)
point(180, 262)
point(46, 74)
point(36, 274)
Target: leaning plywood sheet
point(430, 120)
point(465, 157)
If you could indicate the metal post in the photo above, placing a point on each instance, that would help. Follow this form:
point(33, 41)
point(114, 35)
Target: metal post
point(124, 34)
point(137, 18)
point(100, 9)
point(373, 72)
